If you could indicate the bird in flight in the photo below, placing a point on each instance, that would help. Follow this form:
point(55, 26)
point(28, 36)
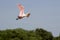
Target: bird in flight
point(22, 14)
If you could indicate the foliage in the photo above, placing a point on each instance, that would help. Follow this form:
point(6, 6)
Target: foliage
point(20, 34)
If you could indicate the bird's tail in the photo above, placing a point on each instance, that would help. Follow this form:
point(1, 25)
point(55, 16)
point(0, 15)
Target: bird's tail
point(28, 14)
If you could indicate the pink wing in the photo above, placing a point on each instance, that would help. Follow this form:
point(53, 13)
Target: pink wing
point(21, 8)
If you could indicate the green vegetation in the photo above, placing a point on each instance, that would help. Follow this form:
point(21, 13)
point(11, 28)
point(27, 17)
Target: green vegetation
point(20, 34)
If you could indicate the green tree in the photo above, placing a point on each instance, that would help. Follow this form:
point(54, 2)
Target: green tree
point(21, 34)
point(44, 34)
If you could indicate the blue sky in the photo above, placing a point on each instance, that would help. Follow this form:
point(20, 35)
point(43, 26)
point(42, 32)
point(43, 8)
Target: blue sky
point(44, 14)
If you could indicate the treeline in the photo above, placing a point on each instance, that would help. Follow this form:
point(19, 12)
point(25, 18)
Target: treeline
point(21, 34)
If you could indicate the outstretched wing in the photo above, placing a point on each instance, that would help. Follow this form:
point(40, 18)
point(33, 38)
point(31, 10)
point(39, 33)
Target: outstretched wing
point(21, 8)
